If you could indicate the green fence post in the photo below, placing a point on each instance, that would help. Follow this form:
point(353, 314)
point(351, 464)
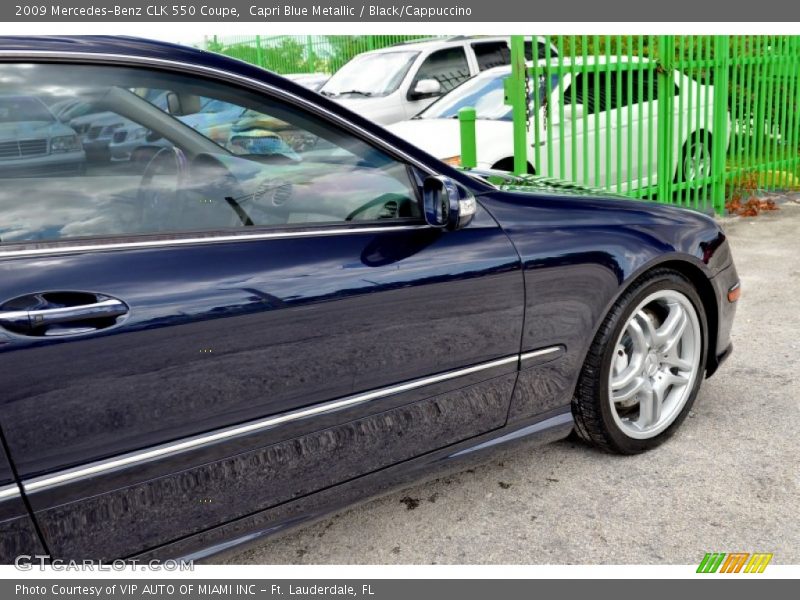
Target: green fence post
point(469, 148)
point(719, 140)
point(666, 59)
point(310, 59)
point(259, 54)
point(516, 96)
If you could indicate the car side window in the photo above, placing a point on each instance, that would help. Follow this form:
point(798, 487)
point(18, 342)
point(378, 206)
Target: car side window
point(100, 151)
point(596, 91)
point(542, 51)
point(599, 92)
point(492, 54)
point(448, 66)
point(645, 79)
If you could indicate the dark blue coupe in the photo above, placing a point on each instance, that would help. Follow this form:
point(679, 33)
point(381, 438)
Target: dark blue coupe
point(244, 322)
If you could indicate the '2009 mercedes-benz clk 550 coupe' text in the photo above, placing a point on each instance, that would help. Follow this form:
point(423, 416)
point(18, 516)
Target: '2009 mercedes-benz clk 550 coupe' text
point(254, 323)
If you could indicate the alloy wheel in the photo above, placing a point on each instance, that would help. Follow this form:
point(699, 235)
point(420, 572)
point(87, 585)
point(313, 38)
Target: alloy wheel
point(697, 162)
point(655, 363)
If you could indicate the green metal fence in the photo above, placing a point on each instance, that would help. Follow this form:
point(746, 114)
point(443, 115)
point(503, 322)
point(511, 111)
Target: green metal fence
point(300, 53)
point(688, 120)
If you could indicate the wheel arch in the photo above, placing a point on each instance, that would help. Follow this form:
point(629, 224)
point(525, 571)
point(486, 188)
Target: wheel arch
point(696, 272)
point(703, 133)
point(507, 164)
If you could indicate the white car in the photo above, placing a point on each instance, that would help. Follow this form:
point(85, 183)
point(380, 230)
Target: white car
point(600, 123)
point(312, 81)
point(396, 83)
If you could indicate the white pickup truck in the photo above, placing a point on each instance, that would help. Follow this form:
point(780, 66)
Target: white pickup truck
point(395, 83)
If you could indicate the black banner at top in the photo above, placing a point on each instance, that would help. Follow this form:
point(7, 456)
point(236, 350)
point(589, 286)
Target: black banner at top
point(414, 11)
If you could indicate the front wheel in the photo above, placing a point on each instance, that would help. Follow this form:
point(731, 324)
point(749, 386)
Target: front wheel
point(644, 367)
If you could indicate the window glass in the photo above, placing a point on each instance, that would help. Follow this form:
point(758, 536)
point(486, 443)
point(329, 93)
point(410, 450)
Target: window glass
point(449, 67)
point(595, 91)
point(492, 54)
point(484, 93)
point(599, 92)
point(154, 152)
point(370, 74)
point(542, 51)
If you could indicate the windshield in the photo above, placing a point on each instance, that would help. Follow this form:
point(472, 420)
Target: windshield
point(370, 74)
point(16, 109)
point(484, 94)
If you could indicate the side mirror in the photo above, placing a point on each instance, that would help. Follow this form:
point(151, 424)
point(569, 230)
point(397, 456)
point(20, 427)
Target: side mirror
point(446, 204)
point(427, 87)
point(181, 105)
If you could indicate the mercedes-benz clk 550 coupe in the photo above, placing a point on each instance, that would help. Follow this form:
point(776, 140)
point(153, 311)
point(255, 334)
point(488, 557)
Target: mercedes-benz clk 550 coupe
point(246, 332)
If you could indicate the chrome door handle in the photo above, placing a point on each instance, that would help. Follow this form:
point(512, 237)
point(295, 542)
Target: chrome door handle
point(30, 319)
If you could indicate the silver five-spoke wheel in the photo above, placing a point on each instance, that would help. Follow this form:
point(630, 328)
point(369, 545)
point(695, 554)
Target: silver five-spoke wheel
point(655, 364)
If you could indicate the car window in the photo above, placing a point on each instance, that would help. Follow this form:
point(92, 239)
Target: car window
point(596, 91)
point(599, 92)
point(484, 93)
point(160, 152)
point(492, 54)
point(448, 66)
point(24, 109)
point(541, 51)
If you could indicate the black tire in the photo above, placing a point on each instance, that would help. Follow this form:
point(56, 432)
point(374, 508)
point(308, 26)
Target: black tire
point(507, 164)
point(591, 407)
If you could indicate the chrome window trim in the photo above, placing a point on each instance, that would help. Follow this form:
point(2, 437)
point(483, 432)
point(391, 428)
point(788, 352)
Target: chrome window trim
point(155, 452)
point(87, 58)
point(9, 491)
point(209, 239)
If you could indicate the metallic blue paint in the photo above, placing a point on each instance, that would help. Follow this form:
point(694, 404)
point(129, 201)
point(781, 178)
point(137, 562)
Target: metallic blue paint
point(223, 333)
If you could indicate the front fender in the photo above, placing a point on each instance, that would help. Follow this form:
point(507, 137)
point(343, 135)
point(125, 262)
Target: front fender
point(579, 254)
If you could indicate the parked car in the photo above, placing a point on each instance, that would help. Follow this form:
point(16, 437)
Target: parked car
point(312, 81)
point(135, 142)
point(231, 342)
point(33, 142)
point(99, 129)
point(396, 83)
point(96, 130)
point(587, 123)
point(67, 109)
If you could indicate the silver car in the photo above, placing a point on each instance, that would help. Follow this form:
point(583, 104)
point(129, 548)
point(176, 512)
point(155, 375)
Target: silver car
point(33, 142)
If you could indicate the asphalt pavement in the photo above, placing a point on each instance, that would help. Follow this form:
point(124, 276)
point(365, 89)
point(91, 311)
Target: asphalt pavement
point(728, 481)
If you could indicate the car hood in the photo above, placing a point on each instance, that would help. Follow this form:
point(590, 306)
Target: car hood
point(32, 129)
point(538, 184)
point(442, 137)
point(380, 109)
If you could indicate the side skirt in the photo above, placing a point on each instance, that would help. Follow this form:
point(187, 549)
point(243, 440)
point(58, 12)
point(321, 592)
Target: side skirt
point(237, 535)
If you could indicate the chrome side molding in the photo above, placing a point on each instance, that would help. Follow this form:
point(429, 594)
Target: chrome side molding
point(156, 452)
point(7, 492)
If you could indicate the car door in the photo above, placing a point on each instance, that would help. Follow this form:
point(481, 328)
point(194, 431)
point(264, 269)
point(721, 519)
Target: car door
point(449, 66)
point(18, 535)
point(643, 135)
point(229, 325)
point(579, 130)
